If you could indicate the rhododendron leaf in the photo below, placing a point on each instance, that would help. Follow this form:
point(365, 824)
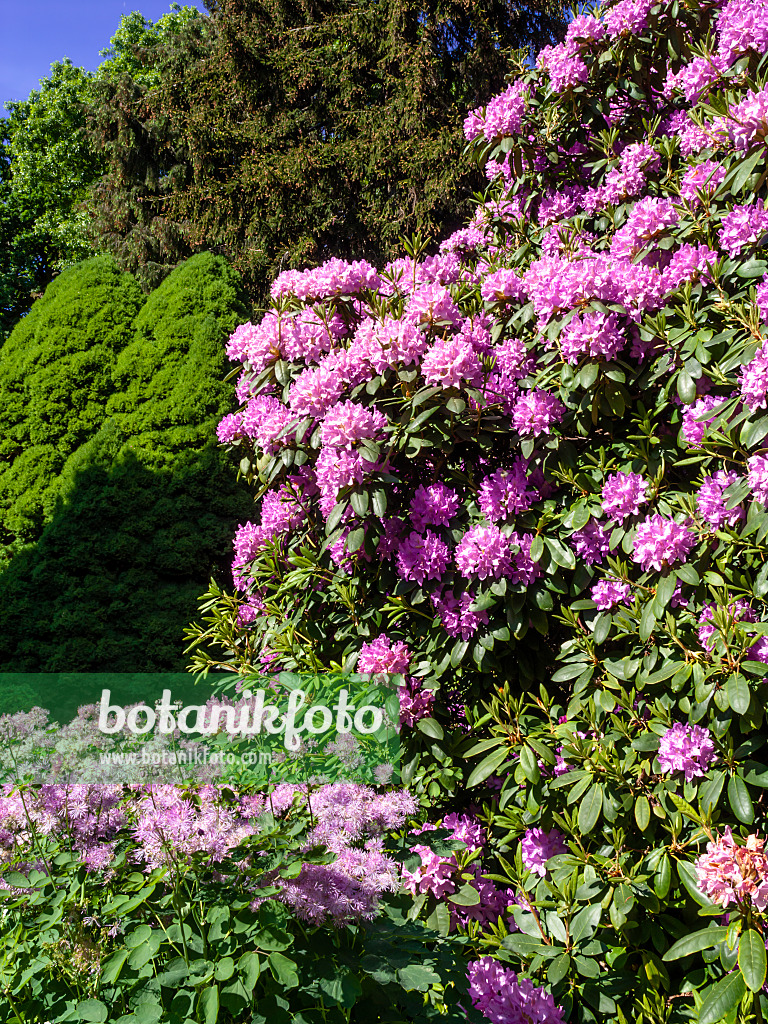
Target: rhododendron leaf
point(642, 813)
point(537, 548)
point(752, 432)
point(684, 807)
point(721, 998)
point(526, 944)
point(487, 767)
point(589, 809)
point(359, 502)
point(458, 652)
point(561, 554)
point(737, 177)
point(740, 800)
point(709, 792)
point(686, 872)
point(580, 787)
point(467, 896)
point(430, 728)
point(584, 924)
point(486, 744)
point(752, 268)
point(355, 539)
point(663, 877)
point(558, 969)
point(541, 749)
point(738, 692)
point(379, 499)
point(647, 622)
point(752, 960)
point(529, 765)
point(686, 388)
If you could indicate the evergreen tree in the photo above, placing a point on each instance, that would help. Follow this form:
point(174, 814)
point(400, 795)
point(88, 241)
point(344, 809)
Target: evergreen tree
point(55, 381)
point(146, 504)
point(282, 132)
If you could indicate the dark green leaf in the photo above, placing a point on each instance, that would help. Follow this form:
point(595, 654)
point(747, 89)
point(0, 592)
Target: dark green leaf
point(721, 998)
point(752, 961)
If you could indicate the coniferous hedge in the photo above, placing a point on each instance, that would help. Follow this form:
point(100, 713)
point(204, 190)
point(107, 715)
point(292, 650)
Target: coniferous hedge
point(127, 501)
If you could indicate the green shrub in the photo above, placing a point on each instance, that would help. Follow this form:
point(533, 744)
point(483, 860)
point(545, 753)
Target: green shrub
point(55, 380)
point(145, 502)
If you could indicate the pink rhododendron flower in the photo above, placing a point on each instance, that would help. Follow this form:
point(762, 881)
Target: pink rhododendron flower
point(688, 749)
point(592, 542)
point(422, 557)
point(757, 477)
point(496, 992)
point(536, 412)
point(538, 846)
point(710, 500)
point(732, 875)
point(623, 494)
point(381, 655)
point(660, 542)
point(608, 593)
point(452, 363)
point(484, 551)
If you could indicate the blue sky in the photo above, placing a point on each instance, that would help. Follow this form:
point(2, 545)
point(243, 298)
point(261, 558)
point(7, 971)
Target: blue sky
point(35, 33)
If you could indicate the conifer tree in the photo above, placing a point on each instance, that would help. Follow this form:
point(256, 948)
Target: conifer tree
point(55, 381)
point(147, 503)
point(279, 133)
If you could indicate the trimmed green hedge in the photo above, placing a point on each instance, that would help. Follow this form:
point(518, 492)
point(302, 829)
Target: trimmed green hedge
point(130, 505)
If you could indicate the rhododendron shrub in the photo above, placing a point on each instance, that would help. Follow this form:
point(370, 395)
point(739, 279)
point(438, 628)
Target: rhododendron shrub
point(534, 464)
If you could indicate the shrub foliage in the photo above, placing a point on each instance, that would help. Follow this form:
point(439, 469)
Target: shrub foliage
point(529, 474)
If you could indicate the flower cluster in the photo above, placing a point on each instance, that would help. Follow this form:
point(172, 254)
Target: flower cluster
point(497, 993)
point(688, 749)
point(730, 874)
point(537, 846)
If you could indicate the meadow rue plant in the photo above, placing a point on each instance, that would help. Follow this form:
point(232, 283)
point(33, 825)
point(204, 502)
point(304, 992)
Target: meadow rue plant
point(536, 459)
